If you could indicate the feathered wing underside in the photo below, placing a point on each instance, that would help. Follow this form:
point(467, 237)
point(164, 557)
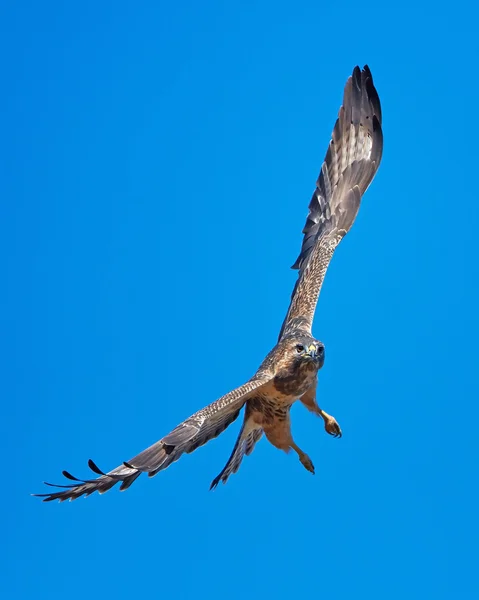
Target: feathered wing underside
point(198, 429)
point(249, 435)
point(350, 164)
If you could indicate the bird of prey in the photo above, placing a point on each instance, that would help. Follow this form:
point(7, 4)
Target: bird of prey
point(289, 371)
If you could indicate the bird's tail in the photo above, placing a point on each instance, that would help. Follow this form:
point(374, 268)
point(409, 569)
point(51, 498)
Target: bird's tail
point(250, 434)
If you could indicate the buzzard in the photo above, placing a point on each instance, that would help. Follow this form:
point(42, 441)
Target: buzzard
point(289, 371)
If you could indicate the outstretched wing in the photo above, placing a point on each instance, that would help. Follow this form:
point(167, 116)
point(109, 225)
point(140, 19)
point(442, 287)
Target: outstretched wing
point(198, 429)
point(351, 162)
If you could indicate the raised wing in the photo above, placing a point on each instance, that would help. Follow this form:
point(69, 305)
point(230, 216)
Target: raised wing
point(351, 162)
point(198, 429)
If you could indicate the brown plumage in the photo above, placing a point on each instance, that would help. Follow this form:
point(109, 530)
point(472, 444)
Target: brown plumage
point(289, 371)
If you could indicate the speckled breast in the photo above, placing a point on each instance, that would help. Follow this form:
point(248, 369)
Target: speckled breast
point(296, 383)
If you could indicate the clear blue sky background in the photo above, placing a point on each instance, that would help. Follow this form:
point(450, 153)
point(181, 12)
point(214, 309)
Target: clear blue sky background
point(157, 162)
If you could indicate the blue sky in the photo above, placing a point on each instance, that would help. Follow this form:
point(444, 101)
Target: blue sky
point(157, 164)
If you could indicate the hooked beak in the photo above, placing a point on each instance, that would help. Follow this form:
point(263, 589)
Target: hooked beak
point(316, 353)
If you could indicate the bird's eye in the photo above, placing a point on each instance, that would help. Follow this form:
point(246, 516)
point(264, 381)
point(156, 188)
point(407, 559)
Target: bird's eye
point(299, 348)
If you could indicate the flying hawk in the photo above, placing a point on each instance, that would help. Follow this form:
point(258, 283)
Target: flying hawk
point(289, 371)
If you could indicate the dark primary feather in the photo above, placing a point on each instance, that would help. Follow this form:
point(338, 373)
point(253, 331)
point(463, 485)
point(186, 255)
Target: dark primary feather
point(198, 429)
point(352, 159)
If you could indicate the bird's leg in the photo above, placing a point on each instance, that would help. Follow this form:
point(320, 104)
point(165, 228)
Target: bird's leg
point(303, 457)
point(278, 433)
point(330, 423)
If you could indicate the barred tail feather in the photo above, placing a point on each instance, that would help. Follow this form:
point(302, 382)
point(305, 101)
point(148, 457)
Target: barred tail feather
point(249, 435)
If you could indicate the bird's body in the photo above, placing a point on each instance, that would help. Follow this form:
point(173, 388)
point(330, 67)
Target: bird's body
point(289, 374)
point(290, 371)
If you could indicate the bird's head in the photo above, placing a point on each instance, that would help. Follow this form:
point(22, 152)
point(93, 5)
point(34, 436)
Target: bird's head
point(303, 350)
